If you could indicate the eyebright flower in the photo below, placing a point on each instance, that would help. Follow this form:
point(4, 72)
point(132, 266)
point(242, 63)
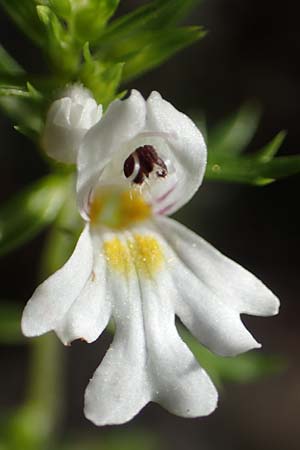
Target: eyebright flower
point(134, 265)
point(67, 121)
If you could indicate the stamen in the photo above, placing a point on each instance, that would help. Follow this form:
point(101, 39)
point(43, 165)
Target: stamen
point(142, 162)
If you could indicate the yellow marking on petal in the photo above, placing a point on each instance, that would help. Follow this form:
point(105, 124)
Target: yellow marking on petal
point(118, 209)
point(142, 253)
point(118, 256)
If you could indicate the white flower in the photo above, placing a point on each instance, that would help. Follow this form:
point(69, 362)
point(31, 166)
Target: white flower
point(144, 160)
point(67, 121)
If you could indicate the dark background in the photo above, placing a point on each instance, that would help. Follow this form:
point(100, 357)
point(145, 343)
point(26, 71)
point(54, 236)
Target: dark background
point(250, 52)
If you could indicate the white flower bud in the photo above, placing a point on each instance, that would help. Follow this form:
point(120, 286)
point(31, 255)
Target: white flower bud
point(68, 120)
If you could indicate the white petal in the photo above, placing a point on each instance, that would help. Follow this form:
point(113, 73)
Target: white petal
point(89, 314)
point(178, 382)
point(68, 120)
point(119, 389)
point(147, 359)
point(215, 291)
point(122, 121)
point(186, 141)
point(53, 297)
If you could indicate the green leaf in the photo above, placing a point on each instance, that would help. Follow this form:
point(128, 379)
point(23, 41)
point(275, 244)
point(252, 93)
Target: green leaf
point(232, 136)
point(102, 79)
point(153, 50)
point(155, 15)
point(226, 161)
point(147, 36)
point(252, 171)
point(62, 8)
point(60, 47)
point(244, 368)
point(10, 319)
point(267, 153)
point(8, 65)
point(257, 169)
point(25, 106)
point(90, 17)
point(23, 12)
point(23, 216)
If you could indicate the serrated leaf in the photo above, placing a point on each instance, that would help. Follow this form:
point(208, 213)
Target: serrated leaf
point(232, 135)
point(244, 368)
point(23, 12)
point(24, 215)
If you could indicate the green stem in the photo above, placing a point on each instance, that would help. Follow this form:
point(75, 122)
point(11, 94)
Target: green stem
point(36, 424)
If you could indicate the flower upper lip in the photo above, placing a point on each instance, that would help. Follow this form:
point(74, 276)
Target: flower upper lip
point(133, 123)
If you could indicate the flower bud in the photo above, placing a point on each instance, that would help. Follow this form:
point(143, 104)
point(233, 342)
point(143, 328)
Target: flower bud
point(67, 121)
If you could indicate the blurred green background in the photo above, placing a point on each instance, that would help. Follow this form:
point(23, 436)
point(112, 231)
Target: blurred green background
point(249, 54)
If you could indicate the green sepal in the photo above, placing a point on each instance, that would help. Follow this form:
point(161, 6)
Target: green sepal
point(26, 214)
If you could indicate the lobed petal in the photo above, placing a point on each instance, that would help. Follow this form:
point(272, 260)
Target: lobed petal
point(52, 299)
point(119, 388)
point(215, 291)
point(89, 314)
point(147, 360)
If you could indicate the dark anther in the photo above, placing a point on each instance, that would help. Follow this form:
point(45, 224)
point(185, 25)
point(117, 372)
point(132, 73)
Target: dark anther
point(129, 166)
point(148, 160)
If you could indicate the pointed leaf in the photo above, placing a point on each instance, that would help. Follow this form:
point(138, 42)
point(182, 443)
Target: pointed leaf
point(102, 79)
point(23, 216)
point(158, 48)
point(89, 18)
point(233, 135)
point(269, 151)
point(23, 12)
point(63, 8)
point(8, 65)
point(250, 170)
point(155, 15)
